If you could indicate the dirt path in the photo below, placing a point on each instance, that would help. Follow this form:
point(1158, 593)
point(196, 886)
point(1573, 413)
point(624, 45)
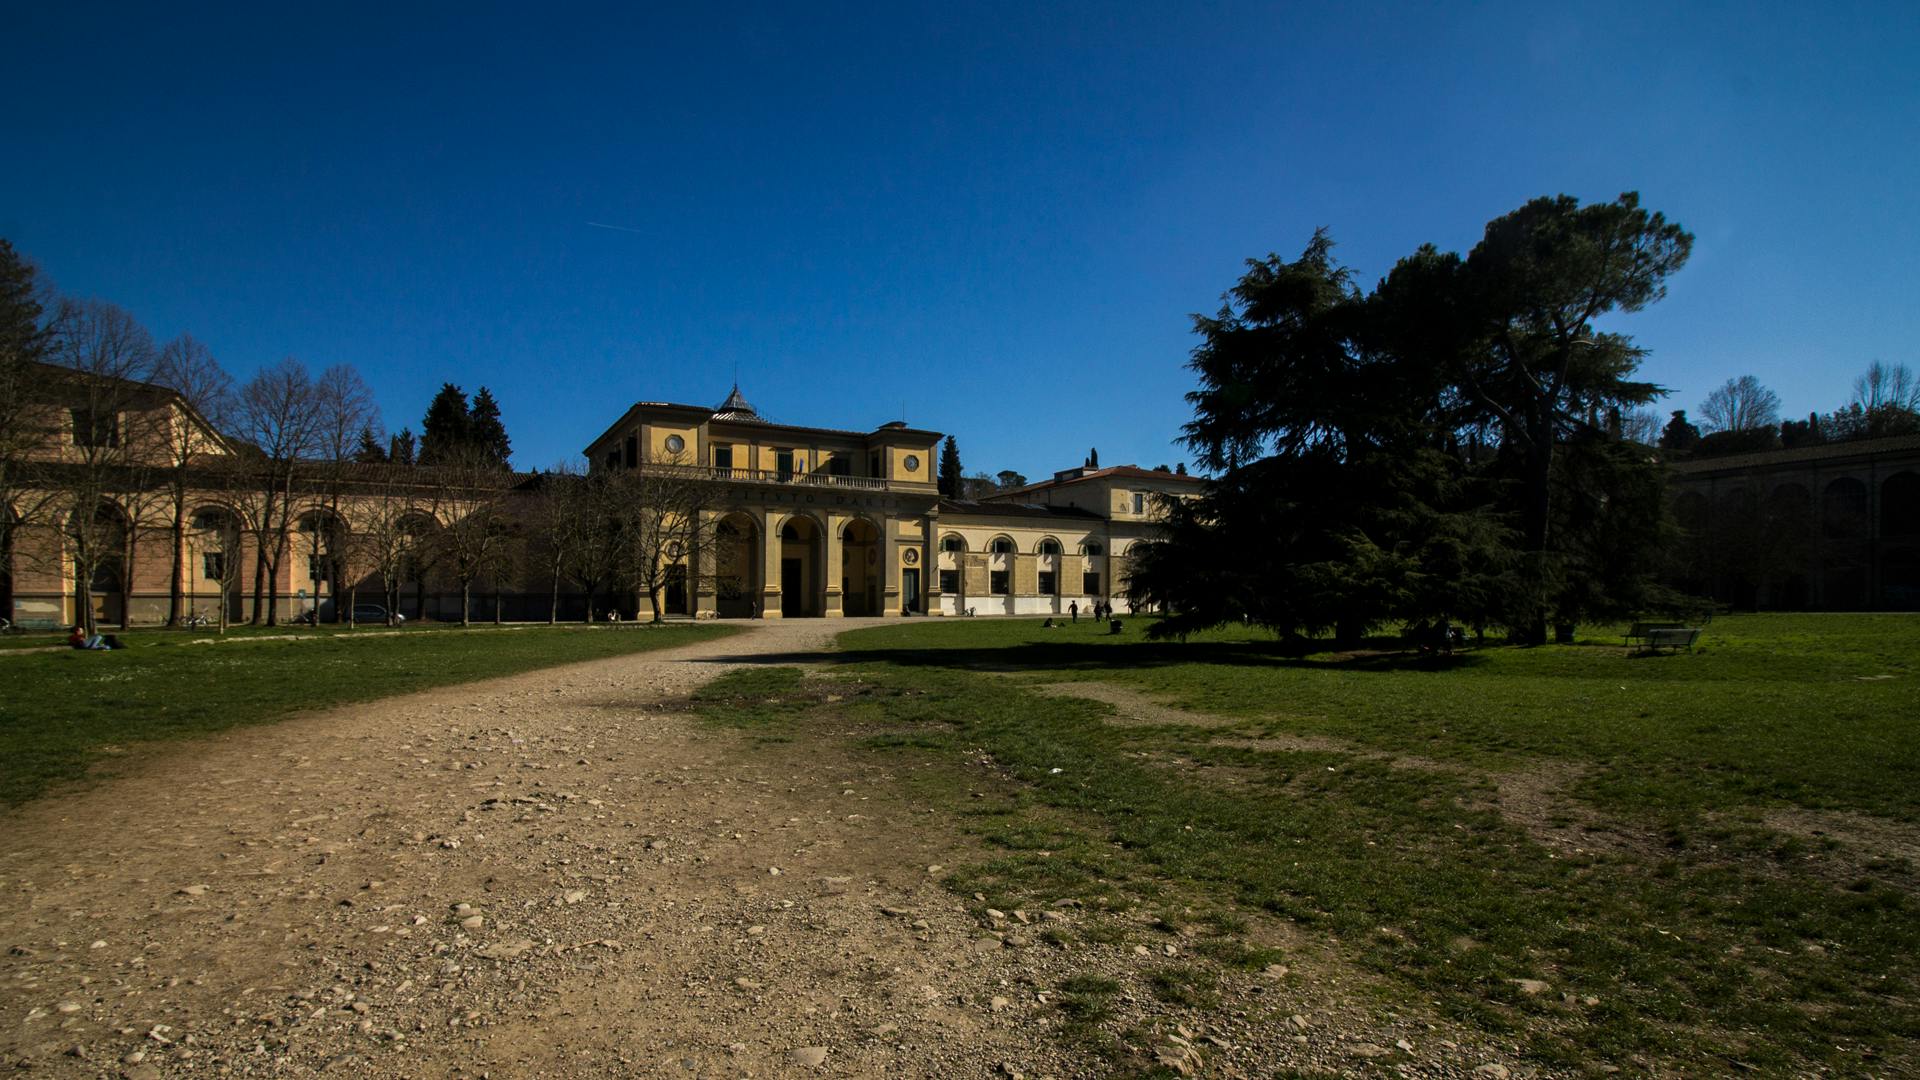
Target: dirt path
point(547, 874)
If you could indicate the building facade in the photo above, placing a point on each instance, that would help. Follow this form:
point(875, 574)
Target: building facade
point(134, 500)
point(1834, 527)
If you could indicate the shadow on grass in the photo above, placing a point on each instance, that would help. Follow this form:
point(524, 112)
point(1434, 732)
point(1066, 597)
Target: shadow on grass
point(1069, 656)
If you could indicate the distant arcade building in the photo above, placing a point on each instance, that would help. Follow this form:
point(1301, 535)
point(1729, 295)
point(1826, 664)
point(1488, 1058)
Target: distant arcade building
point(1834, 527)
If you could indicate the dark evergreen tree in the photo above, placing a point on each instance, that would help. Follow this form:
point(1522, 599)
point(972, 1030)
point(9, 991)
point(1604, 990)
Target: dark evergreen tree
point(368, 451)
point(952, 481)
point(1398, 455)
point(1679, 436)
point(488, 433)
point(446, 434)
point(403, 449)
point(23, 334)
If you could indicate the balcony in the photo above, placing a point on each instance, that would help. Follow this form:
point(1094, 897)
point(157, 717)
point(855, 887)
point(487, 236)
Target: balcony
point(789, 479)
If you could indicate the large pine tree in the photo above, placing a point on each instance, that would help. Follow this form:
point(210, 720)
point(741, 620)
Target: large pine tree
point(446, 434)
point(489, 434)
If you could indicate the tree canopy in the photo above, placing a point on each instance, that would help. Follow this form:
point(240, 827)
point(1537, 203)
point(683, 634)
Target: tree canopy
point(1426, 450)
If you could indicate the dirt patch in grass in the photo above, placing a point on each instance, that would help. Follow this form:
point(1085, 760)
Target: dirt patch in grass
point(1134, 709)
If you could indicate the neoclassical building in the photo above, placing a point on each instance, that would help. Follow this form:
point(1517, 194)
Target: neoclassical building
point(813, 521)
point(798, 522)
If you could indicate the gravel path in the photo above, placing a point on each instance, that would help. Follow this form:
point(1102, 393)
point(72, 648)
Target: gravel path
point(548, 874)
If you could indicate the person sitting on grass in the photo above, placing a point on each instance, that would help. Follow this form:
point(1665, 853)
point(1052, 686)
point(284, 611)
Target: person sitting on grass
point(80, 639)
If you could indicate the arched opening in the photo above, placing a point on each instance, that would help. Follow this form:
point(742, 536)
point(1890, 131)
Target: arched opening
point(736, 568)
point(320, 565)
point(860, 590)
point(1737, 538)
point(1789, 532)
point(1845, 525)
point(1046, 572)
point(1900, 505)
point(1900, 542)
point(214, 565)
point(418, 557)
point(801, 589)
point(1093, 569)
point(97, 547)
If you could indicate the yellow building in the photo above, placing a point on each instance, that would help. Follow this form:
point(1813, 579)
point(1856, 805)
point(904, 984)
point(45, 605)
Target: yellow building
point(131, 505)
point(858, 527)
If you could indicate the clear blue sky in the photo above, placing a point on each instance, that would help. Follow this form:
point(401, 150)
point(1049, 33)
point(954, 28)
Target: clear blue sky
point(1001, 216)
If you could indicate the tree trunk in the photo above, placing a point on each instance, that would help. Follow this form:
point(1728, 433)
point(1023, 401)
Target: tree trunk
point(176, 590)
point(466, 603)
point(553, 608)
point(653, 600)
point(496, 606)
point(259, 577)
point(126, 575)
point(1536, 518)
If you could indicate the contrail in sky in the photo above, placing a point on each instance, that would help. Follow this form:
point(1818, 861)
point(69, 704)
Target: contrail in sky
point(616, 228)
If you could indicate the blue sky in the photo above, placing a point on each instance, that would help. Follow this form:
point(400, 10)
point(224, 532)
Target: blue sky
point(995, 217)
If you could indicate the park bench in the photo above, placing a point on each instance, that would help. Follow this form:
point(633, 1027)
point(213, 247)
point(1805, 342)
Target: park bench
point(1639, 631)
point(1671, 637)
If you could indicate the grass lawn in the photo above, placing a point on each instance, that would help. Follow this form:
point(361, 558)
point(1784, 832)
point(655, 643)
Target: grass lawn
point(63, 711)
point(1700, 862)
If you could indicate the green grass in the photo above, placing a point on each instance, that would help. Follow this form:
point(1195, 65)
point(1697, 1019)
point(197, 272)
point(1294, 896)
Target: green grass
point(1672, 922)
point(63, 712)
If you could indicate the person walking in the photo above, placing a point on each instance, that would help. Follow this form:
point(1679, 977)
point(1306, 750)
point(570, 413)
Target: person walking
point(1073, 609)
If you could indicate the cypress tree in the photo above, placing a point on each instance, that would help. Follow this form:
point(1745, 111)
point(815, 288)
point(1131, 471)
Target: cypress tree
point(951, 478)
point(488, 432)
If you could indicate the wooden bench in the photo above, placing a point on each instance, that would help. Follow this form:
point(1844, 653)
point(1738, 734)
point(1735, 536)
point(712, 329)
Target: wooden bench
point(1639, 631)
point(1671, 637)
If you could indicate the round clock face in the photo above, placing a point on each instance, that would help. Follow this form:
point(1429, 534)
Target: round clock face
point(910, 556)
point(912, 462)
point(675, 444)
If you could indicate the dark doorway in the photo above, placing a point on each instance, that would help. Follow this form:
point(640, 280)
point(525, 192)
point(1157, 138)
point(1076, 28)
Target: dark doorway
point(676, 603)
point(792, 582)
point(910, 589)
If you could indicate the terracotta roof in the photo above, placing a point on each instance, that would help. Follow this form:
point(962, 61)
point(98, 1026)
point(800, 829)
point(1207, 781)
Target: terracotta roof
point(960, 508)
point(1799, 454)
point(1134, 472)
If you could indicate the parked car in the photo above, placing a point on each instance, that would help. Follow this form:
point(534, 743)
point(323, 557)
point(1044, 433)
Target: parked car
point(362, 613)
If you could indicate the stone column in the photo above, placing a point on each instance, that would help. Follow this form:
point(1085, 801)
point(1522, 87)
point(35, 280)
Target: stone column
point(889, 544)
point(770, 564)
point(703, 570)
point(836, 565)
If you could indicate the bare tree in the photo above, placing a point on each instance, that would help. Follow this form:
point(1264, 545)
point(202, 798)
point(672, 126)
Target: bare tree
point(1886, 386)
point(188, 368)
point(666, 515)
point(387, 514)
point(109, 358)
point(471, 500)
point(1641, 426)
point(1741, 404)
point(278, 415)
point(549, 527)
point(590, 536)
point(345, 413)
point(214, 538)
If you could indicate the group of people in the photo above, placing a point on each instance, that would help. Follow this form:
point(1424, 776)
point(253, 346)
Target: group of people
point(1097, 610)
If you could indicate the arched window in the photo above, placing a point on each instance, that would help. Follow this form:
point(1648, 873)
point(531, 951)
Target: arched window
point(1092, 547)
point(953, 543)
point(1002, 546)
point(1049, 546)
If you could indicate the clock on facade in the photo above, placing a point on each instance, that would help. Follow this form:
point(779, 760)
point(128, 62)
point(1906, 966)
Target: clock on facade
point(675, 444)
